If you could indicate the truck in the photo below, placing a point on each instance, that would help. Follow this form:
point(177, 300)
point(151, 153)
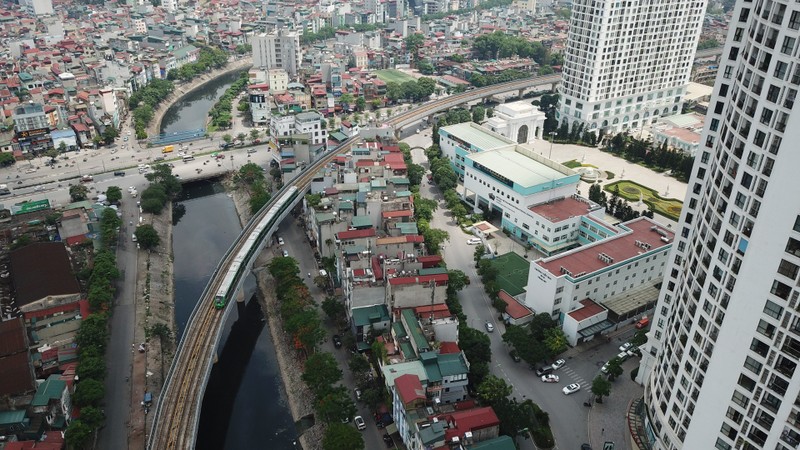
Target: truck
point(168, 149)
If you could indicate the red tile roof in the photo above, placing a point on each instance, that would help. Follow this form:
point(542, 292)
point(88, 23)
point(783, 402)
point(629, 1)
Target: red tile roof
point(448, 347)
point(429, 261)
point(513, 308)
point(562, 209)
point(439, 311)
point(398, 213)
point(621, 247)
point(470, 420)
point(440, 279)
point(590, 309)
point(355, 234)
point(409, 388)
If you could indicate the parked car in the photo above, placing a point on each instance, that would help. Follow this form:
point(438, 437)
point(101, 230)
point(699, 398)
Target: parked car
point(604, 369)
point(547, 370)
point(623, 356)
point(357, 391)
point(571, 388)
point(360, 424)
point(515, 356)
point(285, 254)
point(586, 447)
point(558, 364)
point(624, 347)
point(119, 173)
point(474, 241)
point(388, 441)
point(489, 327)
point(337, 341)
point(550, 378)
point(280, 241)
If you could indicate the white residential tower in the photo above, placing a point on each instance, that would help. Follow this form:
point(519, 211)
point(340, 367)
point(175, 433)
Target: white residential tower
point(627, 63)
point(721, 366)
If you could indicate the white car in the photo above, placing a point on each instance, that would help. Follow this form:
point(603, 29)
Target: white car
point(280, 241)
point(623, 356)
point(360, 424)
point(624, 347)
point(489, 327)
point(558, 364)
point(550, 378)
point(604, 369)
point(571, 388)
point(285, 254)
point(474, 241)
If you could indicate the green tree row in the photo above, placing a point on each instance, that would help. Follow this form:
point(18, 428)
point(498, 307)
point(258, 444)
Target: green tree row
point(220, 113)
point(479, 80)
point(616, 206)
point(659, 157)
point(144, 102)
point(499, 45)
point(251, 177)
point(516, 417)
point(208, 59)
point(414, 91)
point(92, 337)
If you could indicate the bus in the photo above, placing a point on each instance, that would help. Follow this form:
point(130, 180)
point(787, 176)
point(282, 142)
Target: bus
point(188, 158)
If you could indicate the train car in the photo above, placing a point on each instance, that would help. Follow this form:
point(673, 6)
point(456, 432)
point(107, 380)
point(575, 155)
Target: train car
point(246, 251)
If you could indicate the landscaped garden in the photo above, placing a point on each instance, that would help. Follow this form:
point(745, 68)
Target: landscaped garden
point(633, 192)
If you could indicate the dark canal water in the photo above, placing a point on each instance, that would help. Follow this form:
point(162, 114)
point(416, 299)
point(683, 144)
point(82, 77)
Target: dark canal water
point(192, 111)
point(245, 403)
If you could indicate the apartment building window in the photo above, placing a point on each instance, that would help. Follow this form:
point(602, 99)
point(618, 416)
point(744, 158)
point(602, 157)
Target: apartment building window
point(794, 20)
point(740, 399)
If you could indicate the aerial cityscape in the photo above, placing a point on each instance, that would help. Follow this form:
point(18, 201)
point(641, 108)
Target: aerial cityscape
point(411, 224)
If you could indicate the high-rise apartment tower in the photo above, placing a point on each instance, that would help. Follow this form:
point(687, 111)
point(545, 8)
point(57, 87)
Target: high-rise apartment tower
point(627, 62)
point(279, 49)
point(721, 366)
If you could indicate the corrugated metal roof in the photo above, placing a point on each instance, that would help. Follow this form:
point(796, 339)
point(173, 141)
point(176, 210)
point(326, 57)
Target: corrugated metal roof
point(478, 136)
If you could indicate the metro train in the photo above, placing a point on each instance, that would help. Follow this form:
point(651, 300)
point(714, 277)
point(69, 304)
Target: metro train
point(229, 283)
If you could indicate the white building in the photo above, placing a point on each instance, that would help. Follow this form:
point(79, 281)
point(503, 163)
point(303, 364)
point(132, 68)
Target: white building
point(38, 7)
point(457, 141)
point(278, 81)
point(169, 5)
point(681, 132)
point(720, 367)
point(627, 63)
point(519, 121)
point(309, 123)
point(278, 50)
point(611, 262)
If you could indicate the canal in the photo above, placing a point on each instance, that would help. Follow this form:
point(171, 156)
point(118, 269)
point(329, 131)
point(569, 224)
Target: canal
point(191, 112)
point(245, 403)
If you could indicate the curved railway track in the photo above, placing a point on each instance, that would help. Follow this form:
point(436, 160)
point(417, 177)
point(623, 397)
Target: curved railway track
point(176, 415)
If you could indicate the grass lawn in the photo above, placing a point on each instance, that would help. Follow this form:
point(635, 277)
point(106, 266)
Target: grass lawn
point(393, 76)
point(513, 272)
point(631, 191)
point(572, 164)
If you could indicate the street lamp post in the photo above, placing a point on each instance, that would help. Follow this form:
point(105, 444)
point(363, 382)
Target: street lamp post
point(552, 134)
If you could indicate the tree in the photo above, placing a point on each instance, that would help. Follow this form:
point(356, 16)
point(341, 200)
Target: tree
point(89, 393)
point(162, 175)
point(335, 405)
point(359, 365)
point(600, 388)
point(227, 138)
point(426, 87)
point(361, 103)
point(555, 340)
point(241, 137)
point(114, 194)
point(93, 332)
point(333, 308)
point(346, 100)
point(477, 349)
point(477, 255)
point(478, 113)
point(413, 44)
point(434, 238)
point(456, 280)
point(92, 416)
point(341, 436)
point(109, 134)
point(614, 369)
point(6, 159)
point(78, 192)
point(147, 236)
point(540, 323)
point(493, 389)
point(254, 134)
point(78, 434)
point(321, 372)
point(92, 367)
point(62, 147)
point(415, 174)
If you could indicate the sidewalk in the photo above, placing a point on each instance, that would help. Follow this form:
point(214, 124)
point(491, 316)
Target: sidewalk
point(607, 421)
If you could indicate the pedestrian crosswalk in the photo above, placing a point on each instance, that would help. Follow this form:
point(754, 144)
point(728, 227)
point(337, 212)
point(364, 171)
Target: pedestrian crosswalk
point(573, 375)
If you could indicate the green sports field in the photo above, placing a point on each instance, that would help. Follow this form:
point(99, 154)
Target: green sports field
point(513, 272)
point(393, 76)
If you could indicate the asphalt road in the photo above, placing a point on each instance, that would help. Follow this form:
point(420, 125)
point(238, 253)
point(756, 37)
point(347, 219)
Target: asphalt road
point(568, 415)
point(296, 243)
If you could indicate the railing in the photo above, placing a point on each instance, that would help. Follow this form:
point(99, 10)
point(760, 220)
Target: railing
point(302, 183)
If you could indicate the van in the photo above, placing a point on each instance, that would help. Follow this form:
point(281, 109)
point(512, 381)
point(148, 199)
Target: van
point(148, 399)
point(542, 371)
point(642, 323)
point(133, 237)
point(188, 158)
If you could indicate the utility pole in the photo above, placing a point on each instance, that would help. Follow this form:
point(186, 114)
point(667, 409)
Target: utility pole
point(550, 155)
